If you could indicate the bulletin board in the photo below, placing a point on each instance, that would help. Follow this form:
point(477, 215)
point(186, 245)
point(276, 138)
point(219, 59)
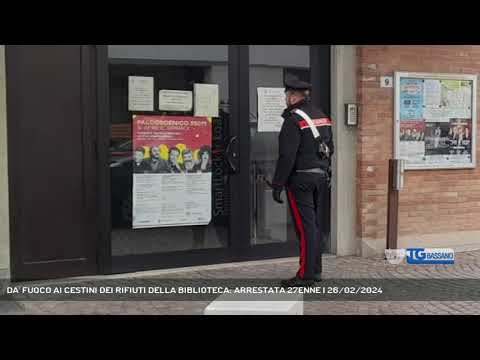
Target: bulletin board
point(435, 120)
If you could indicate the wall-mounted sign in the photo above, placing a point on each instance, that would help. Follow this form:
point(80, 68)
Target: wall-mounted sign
point(175, 100)
point(435, 120)
point(140, 93)
point(172, 171)
point(271, 104)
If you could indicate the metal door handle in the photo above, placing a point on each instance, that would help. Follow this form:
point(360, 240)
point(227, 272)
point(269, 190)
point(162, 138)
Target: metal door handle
point(231, 154)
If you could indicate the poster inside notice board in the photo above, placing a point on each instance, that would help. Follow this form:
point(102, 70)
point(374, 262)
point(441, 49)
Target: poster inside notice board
point(435, 120)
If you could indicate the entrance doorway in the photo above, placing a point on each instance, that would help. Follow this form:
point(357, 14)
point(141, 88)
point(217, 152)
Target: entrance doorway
point(85, 223)
point(245, 223)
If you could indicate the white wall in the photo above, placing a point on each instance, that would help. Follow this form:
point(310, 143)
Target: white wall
point(344, 90)
point(4, 218)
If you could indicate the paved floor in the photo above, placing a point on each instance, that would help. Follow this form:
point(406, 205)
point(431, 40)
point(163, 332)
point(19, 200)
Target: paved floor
point(467, 265)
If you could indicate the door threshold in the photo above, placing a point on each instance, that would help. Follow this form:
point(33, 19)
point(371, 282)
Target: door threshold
point(153, 273)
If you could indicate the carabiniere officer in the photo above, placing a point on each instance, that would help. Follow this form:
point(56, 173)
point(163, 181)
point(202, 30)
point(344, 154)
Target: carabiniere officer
point(303, 170)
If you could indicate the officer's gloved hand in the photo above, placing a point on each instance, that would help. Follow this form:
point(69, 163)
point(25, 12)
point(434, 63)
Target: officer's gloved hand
point(277, 195)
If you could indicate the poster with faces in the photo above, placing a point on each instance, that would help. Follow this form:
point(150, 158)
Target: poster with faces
point(436, 121)
point(172, 171)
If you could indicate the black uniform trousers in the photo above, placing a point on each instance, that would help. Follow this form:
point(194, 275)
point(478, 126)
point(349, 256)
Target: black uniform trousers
point(307, 198)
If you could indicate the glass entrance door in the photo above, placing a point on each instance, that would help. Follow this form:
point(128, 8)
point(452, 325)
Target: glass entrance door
point(271, 223)
point(191, 139)
point(269, 64)
point(170, 133)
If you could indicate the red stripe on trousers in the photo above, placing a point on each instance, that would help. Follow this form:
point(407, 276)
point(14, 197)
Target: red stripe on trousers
point(301, 231)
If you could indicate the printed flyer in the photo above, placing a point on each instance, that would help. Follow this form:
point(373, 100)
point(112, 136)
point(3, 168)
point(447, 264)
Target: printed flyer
point(172, 172)
point(412, 139)
point(411, 99)
point(457, 98)
point(271, 104)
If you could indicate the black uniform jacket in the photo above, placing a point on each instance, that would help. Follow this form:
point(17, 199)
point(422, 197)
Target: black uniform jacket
point(297, 147)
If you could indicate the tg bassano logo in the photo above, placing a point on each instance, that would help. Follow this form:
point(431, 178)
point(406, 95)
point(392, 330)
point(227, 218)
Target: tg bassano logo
point(430, 256)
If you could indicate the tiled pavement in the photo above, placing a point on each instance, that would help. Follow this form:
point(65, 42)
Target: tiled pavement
point(467, 265)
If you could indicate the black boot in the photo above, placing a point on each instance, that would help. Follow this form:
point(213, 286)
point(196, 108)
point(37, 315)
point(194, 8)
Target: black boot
point(317, 277)
point(297, 282)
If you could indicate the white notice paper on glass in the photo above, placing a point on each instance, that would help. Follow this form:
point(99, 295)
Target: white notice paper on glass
point(166, 200)
point(206, 100)
point(271, 104)
point(432, 93)
point(140, 93)
point(175, 100)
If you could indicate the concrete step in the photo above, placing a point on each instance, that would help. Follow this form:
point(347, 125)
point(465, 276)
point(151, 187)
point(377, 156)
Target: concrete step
point(235, 304)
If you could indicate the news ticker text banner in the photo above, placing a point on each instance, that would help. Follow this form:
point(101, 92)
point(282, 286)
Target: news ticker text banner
point(261, 289)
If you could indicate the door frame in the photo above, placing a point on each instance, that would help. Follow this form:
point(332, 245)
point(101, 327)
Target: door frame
point(239, 248)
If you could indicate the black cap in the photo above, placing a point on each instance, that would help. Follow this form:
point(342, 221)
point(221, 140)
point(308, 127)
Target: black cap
point(293, 83)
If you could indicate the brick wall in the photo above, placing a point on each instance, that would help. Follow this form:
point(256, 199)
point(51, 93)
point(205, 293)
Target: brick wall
point(433, 201)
